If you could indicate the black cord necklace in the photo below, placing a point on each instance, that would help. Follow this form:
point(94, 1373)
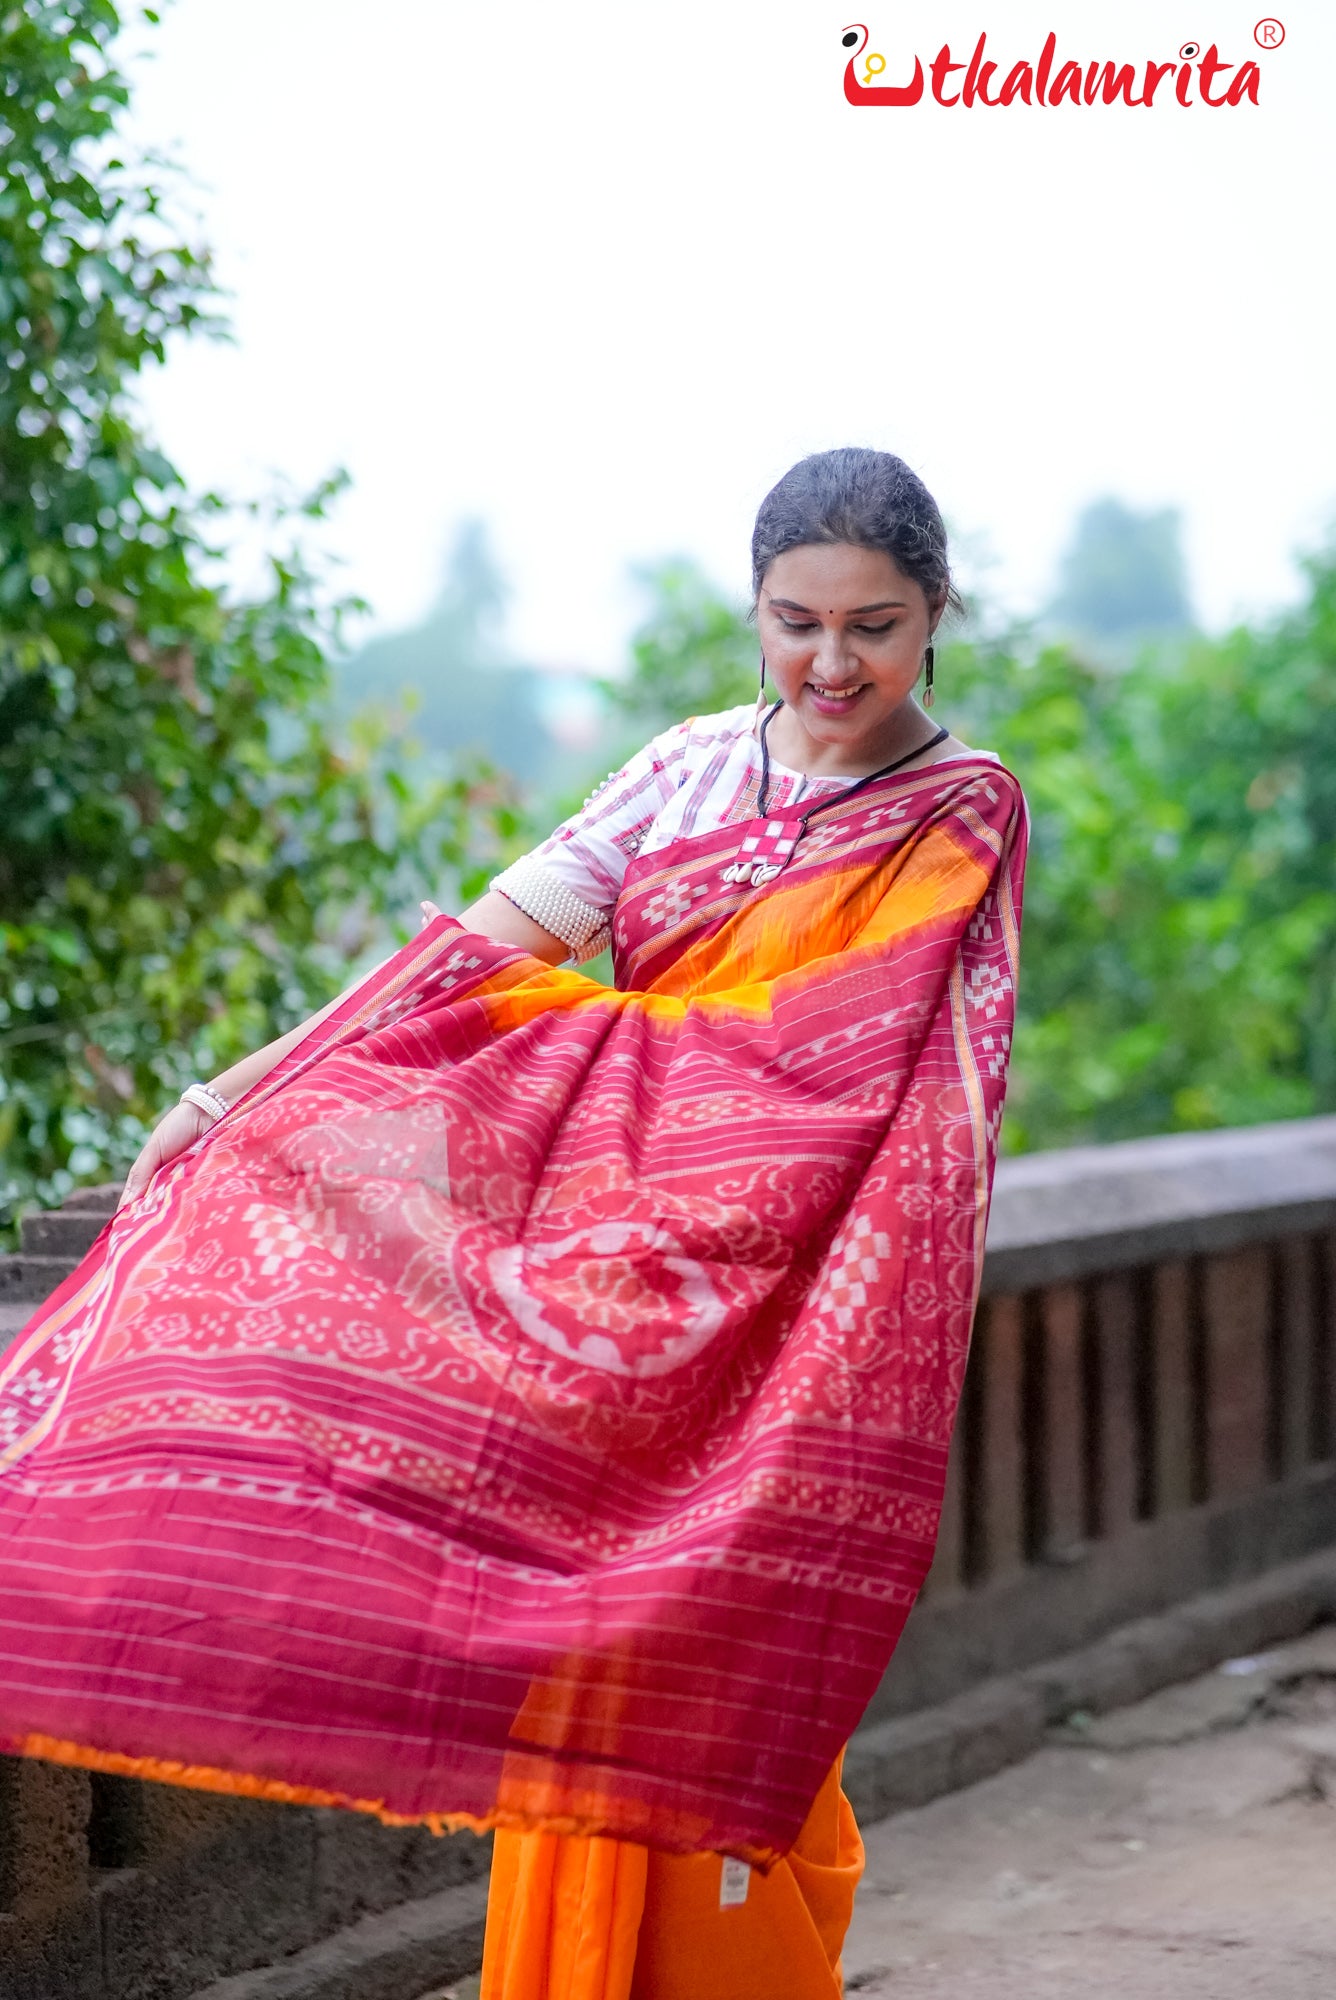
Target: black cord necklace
point(838, 798)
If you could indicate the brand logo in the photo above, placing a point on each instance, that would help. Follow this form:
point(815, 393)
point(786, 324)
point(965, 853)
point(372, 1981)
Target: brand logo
point(1196, 76)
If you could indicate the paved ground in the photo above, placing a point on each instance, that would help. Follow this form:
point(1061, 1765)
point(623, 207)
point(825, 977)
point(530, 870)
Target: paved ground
point(467, 1989)
point(1183, 1849)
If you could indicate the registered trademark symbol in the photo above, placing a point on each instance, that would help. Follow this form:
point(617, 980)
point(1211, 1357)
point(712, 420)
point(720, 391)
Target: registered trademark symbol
point(1269, 32)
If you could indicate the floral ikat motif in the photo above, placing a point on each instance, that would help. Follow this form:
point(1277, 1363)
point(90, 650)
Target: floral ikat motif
point(530, 1405)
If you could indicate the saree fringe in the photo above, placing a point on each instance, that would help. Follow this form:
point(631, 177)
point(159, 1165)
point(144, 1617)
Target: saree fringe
point(246, 1785)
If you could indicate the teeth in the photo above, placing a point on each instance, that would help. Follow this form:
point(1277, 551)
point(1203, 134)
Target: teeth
point(833, 694)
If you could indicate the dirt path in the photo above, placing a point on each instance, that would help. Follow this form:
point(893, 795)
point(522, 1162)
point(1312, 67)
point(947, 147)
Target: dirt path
point(1184, 1848)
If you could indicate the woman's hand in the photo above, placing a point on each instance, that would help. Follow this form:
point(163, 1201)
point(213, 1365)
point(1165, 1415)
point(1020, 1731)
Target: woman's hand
point(177, 1129)
point(184, 1123)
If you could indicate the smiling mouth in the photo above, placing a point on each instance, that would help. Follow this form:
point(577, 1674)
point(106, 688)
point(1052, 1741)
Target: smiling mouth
point(842, 695)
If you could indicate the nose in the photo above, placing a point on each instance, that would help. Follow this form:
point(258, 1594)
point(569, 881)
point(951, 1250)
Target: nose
point(833, 661)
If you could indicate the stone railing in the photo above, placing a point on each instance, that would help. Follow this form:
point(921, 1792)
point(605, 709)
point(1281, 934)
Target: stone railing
point(1150, 1406)
point(1149, 1414)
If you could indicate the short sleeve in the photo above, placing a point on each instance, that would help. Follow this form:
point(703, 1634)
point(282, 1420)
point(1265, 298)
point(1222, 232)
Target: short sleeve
point(570, 883)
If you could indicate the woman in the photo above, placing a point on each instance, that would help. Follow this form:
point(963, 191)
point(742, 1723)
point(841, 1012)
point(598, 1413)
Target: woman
point(510, 1402)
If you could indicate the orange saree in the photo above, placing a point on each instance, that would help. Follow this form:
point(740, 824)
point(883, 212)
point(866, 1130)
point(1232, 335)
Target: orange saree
point(580, 1919)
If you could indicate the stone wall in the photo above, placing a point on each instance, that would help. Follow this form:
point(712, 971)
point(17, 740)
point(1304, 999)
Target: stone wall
point(1149, 1413)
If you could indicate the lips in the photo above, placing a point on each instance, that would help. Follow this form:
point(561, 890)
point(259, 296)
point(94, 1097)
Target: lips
point(831, 701)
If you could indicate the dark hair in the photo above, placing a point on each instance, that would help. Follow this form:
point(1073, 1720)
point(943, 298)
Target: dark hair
point(868, 498)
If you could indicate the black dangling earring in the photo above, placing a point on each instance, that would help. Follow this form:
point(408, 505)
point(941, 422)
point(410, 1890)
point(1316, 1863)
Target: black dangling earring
point(928, 696)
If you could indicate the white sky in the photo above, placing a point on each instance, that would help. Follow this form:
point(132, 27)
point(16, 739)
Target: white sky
point(601, 271)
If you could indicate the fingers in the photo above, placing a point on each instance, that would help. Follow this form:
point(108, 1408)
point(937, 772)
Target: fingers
point(177, 1129)
point(135, 1181)
point(429, 913)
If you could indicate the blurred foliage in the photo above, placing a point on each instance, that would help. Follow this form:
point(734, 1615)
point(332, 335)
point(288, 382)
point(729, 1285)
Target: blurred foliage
point(1123, 577)
point(189, 863)
point(694, 653)
point(1179, 963)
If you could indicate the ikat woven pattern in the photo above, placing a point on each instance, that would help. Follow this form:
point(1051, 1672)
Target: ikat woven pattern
point(530, 1405)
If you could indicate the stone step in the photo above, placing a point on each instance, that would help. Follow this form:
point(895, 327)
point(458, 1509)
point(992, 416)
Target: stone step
point(103, 1197)
point(52, 1244)
point(32, 1279)
point(13, 1319)
point(24, 1283)
point(62, 1232)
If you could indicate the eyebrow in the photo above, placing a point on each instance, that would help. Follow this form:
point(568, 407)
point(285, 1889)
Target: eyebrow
point(887, 604)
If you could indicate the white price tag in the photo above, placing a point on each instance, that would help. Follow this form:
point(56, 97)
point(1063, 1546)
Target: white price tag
point(733, 1883)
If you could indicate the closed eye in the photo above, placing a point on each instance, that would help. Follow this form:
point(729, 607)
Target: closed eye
point(812, 625)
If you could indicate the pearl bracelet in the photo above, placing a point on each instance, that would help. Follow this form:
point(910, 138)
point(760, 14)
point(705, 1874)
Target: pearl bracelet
point(204, 1098)
point(546, 901)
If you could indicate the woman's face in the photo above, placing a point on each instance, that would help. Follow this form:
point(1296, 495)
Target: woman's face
point(843, 630)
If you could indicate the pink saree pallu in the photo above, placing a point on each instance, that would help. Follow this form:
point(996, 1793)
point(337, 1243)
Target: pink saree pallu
point(529, 1405)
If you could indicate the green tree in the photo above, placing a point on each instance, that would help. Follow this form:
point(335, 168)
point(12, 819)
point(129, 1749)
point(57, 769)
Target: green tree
point(190, 861)
point(1122, 576)
point(693, 653)
point(1180, 931)
point(466, 690)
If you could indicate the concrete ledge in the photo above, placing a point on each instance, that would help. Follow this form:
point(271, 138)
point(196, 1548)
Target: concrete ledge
point(895, 1765)
point(1139, 1659)
point(1065, 1215)
point(398, 1955)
